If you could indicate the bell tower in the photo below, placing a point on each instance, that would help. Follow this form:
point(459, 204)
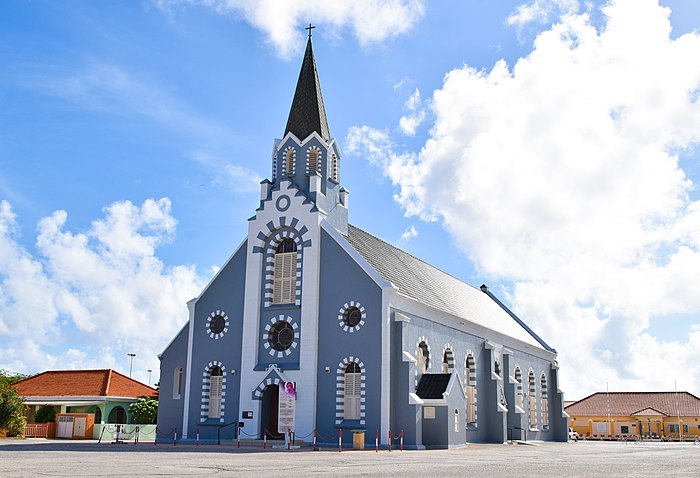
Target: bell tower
point(307, 155)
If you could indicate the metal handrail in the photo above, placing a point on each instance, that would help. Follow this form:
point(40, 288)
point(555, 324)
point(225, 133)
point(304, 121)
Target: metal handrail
point(218, 431)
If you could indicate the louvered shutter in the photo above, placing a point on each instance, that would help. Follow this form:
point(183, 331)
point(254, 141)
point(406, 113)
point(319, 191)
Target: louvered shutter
point(471, 408)
point(352, 396)
point(533, 411)
point(215, 397)
point(545, 412)
point(284, 287)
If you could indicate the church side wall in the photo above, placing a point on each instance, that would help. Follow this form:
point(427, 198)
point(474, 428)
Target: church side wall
point(170, 405)
point(225, 294)
point(344, 284)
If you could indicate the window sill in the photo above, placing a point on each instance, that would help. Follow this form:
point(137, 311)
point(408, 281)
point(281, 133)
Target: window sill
point(472, 426)
point(351, 424)
point(535, 429)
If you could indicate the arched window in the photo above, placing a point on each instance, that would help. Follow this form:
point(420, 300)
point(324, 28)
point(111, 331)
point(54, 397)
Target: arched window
point(518, 387)
point(532, 399)
point(353, 392)
point(285, 277)
point(98, 415)
point(313, 155)
point(497, 367)
point(289, 154)
point(177, 383)
point(448, 361)
point(471, 389)
point(334, 168)
point(545, 402)
point(215, 382)
point(423, 357)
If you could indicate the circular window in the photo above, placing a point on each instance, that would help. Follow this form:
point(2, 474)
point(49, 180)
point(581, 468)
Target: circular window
point(281, 336)
point(351, 317)
point(217, 324)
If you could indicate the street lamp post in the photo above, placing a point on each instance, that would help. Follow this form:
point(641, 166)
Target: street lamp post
point(131, 362)
point(149, 376)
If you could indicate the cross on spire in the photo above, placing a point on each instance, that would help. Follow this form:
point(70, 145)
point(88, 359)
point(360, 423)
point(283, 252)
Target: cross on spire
point(310, 27)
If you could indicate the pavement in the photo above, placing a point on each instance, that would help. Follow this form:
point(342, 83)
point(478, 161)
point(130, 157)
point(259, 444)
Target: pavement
point(57, 458)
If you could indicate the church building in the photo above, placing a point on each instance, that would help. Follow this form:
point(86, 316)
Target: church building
point(363, 336)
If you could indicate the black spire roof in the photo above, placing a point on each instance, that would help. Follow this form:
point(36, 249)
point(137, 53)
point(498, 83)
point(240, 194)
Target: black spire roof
point(307, 113)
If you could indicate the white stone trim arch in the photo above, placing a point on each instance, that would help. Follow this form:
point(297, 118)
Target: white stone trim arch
point(258, 393)
point(275, 239)
point(287, 160)
point(206, 388)
point(340, 389)
point(447, 349)
point(266, 333)
point(470, 380)
point(417, 371)
point(319, 157)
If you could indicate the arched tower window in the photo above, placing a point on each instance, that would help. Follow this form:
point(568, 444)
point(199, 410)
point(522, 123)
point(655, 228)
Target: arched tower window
point(353, 392)
point(215, 382)
point(544, 401)
point(313, 155)
point(518, 387)
point(289, 155)
point(471, 389)
point(284, 280)
point(423, 357)
point(532, 399)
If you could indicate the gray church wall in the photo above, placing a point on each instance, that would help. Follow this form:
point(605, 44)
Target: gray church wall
point(403, 415)
point(171, 404)
point(343, 283)
point(224, 295)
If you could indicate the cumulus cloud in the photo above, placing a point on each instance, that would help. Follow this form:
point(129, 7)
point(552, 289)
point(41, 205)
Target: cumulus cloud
point(95, 295)
point(566, 182)
point(371, 21)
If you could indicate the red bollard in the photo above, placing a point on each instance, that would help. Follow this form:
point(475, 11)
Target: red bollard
point(389, 440)
point(175, 438)
point(289, 438)
point(376, 442)
point(340, 440)
point(197, 436)
point(315, 446)
point(238, 435)
point(265, 438)
point(401, 440)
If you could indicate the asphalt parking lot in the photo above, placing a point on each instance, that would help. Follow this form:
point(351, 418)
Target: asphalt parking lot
point(40, 457)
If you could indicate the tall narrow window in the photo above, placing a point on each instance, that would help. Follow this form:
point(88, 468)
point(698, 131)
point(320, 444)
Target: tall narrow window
point(284, 281)
point(545, 402)
point(289, 161)
point(532, 399)
point(353, 392)
point(447, 361)
point(313, 159)
point(177, 383)
point(471, 389)
point(334, 168)
point(423, 357)
point(519, 387)
point(215, 392)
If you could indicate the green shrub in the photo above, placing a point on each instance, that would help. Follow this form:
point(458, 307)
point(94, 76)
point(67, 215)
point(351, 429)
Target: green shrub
point(144, 411)
point(45, 414)
point(11, 411)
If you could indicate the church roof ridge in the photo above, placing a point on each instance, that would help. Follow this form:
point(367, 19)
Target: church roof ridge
point(308, 113)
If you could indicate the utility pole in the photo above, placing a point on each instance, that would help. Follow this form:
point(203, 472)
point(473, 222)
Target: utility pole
point(131, 362)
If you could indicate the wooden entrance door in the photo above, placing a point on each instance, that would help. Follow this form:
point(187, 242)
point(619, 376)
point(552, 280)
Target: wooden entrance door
point(269, 412)
point(79, 427)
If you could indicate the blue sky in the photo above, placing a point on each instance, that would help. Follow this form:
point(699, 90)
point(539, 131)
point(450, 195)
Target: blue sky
point(547, 148)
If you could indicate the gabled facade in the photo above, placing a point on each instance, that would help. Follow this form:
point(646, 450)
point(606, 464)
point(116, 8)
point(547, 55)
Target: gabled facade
point(352, 321)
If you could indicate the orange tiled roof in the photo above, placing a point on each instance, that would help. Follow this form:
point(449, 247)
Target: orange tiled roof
point(83, 383)
point(629, 403)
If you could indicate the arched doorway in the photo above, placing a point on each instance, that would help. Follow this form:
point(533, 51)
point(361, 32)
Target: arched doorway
point(98, 415)
point(269, 410)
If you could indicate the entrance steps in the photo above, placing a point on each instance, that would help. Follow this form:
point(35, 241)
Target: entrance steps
point(259, 444)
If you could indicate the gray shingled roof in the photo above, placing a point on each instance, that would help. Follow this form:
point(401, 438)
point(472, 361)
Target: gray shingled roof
point(429, 285)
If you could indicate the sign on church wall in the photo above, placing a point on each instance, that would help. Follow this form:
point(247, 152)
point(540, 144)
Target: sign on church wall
point(287, 406)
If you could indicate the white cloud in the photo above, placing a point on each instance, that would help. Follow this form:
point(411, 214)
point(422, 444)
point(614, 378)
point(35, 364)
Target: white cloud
point(371, 21)
point(541, 11)
point(416, 114)
point(563, 176)
point(95, 294)
point(409, 234)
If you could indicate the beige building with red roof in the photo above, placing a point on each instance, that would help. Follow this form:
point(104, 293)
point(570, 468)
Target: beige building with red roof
point(105, 393)
point(671, 415)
